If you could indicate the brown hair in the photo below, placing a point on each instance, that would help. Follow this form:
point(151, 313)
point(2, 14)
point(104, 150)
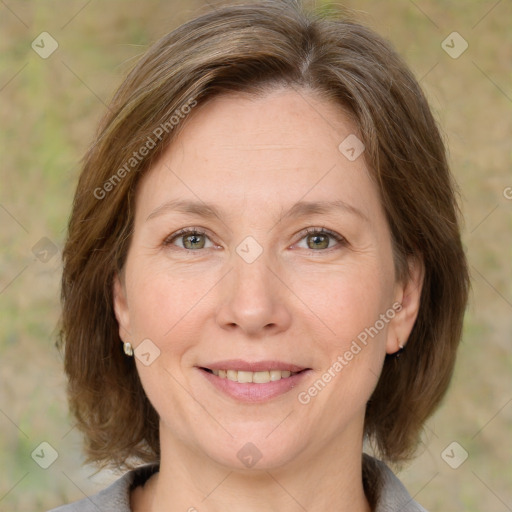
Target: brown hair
point(251, 48)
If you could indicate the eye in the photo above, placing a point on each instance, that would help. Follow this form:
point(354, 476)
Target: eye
point(190, 239)
point(193, 239)
point(321, 239)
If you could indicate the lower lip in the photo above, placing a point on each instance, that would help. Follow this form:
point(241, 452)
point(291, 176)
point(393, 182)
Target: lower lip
point(251, 392)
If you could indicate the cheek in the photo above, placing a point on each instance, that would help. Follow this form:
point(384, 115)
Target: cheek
point(164, 302)
point(350, 343)
point(151, 306)
point(347, 300)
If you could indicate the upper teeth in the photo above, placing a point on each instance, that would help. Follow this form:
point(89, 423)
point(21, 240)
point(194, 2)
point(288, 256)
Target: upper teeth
point(257, 377)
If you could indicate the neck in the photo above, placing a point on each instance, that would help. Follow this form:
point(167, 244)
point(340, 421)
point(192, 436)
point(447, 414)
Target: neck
point(190, 481)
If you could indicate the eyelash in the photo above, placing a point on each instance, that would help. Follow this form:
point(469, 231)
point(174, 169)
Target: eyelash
point(303, 234)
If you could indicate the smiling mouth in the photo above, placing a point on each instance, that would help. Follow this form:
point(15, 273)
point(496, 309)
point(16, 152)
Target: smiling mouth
point(244, 377)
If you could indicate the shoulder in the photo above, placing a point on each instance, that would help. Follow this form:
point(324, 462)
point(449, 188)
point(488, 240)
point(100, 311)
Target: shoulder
point(391, 495)
point(116, 497)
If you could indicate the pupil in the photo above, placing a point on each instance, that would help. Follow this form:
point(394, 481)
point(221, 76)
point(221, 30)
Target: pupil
point(192, 240)
point(319, 241)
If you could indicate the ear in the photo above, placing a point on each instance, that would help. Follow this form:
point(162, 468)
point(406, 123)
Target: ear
point(408, 294)
point(121, 308)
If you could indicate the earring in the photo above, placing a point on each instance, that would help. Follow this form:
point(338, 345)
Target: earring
point(399, 352)
point(128, 350)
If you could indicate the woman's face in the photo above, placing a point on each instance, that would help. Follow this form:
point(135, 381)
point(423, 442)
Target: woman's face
point(261, 244)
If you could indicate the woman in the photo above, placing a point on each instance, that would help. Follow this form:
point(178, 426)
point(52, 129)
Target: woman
point(263, 270)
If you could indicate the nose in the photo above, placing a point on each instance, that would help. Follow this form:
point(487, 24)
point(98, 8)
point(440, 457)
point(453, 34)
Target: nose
point(254, 300)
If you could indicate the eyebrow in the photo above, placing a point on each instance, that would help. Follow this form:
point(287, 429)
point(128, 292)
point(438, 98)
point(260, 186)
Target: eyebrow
point(299, 209)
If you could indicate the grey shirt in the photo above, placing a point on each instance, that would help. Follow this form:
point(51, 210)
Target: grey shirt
point(392, 495)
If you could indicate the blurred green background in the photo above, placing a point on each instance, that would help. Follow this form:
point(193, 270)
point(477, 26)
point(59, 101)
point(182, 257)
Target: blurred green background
point(50, 108)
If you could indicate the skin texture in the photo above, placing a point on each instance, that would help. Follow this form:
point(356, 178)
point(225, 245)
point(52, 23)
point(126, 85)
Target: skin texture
point(254, 158)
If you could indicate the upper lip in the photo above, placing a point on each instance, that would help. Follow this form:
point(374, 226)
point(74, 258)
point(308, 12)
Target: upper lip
point(254, 366)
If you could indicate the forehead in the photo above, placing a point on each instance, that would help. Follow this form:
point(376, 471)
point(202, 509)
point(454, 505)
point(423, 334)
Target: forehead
point(266, 151)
